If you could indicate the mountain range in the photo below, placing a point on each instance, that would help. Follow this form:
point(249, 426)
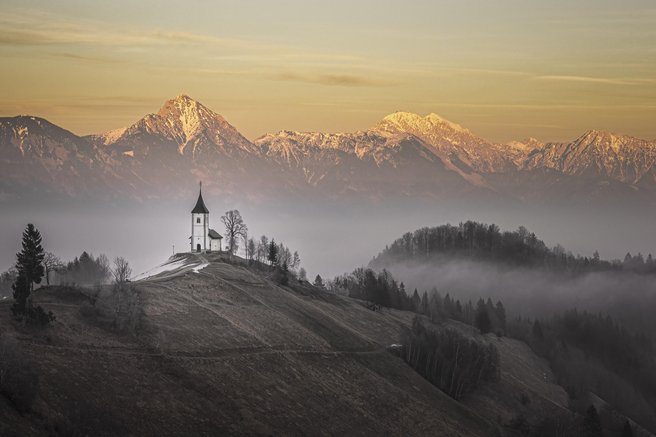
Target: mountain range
point(403, 156)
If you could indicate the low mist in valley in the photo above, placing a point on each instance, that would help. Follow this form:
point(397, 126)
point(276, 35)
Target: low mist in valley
point(537, 293)
point(333, 239)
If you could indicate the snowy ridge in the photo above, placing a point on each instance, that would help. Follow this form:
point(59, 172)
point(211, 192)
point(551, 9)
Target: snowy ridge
point(452, 141)
point(598, 153)
point(108, 137)
point(404, 154)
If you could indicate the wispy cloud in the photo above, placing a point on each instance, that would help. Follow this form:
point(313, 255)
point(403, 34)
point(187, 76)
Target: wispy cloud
point(333, 79)
point(26, 30)
point(546, 106)
point(589, 79)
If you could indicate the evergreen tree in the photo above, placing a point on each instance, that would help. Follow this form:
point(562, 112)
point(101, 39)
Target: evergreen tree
point(482, 321)
point(30, 259)
point(416, 301)
point(591, 423)
point(425, 308)
point(21, 289)
point(30, 269)
point(501, 315)
point(284, 270)
point(537, 331)
point(272, 256)
point(318, 281)
point(627, 431)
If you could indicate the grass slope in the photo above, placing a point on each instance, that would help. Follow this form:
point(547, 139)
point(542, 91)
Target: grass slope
point(225, 351)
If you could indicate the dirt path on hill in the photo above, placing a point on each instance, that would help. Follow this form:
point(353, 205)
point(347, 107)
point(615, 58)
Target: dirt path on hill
point(217, 354)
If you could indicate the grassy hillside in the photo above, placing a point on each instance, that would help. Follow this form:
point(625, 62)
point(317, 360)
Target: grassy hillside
point(223, 350)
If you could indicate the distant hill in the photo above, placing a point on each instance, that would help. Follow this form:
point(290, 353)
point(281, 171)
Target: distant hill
point(403, 156)
point(209, 346)
point(487, 242)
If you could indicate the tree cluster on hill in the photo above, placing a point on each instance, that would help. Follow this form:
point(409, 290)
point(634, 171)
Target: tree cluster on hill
point(639, 264)
point(480, 241)
point(594, 353)
point(448, 359)
point(275, 253)
point(85, 270)
point(380, 288)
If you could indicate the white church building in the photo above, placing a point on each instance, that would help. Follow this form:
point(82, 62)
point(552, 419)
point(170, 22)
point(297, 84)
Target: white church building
point(203, 239)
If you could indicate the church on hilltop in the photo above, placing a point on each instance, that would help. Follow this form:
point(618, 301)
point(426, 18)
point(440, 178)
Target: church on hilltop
point(203, 239)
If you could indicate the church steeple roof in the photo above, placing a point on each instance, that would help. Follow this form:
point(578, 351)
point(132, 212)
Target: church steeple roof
point(200, 207)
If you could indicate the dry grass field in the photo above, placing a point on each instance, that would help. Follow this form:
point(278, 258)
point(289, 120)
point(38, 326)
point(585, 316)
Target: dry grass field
point(214, 347)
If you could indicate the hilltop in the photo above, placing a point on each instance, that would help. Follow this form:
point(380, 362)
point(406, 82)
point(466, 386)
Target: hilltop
point(216, 347)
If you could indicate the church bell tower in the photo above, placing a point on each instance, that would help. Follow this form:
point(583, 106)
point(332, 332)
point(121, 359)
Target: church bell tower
point(200, 223)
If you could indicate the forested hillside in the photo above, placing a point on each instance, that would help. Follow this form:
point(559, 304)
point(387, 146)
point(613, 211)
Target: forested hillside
point(487, 242)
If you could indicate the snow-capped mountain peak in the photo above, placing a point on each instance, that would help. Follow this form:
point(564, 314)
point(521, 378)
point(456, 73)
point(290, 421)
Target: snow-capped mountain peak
point(450, 140)
point(409, 121)
point(186, 117)
point(183, 121)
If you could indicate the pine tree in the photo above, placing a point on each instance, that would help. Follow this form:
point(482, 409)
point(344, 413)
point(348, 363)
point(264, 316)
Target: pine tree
point(21, 289)
point(627, 431)
point(482, 321)
point(272, 256)
point(537, 331)
point(318, 281)
point(591, 423)
point(501, 315)
point(425, 308)
point(30, 269)
point(284, 270)
point(30, 259)
point(416, 300)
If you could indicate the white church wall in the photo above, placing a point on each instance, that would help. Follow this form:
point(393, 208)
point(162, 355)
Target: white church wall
point(199, 231)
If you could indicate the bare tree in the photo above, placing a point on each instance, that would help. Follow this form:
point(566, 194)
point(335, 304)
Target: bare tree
point(296, 261)
point(51, 263)
point(122, 270)
point(104, 270)
point(284, 255)
point(251, 248)
point(235, 229)
point(262, 248)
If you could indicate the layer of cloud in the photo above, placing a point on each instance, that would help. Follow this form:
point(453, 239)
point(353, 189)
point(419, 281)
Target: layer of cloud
point(333, 79)
point(588, 79)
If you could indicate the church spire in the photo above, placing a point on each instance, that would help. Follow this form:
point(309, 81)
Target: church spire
point(200, 207)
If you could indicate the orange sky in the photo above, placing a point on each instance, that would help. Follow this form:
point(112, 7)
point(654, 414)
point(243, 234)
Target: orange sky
point(506, 70)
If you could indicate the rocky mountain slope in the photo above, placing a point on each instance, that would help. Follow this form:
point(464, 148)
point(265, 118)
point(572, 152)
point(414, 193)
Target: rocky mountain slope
point(185, 142)
point(36, 155)
point(452, 141)
point(599, 154)
point(404, 155)
point(377, 164)
point(221, 349)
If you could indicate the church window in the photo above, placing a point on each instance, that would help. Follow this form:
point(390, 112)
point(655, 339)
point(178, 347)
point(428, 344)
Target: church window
point(197, 219)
